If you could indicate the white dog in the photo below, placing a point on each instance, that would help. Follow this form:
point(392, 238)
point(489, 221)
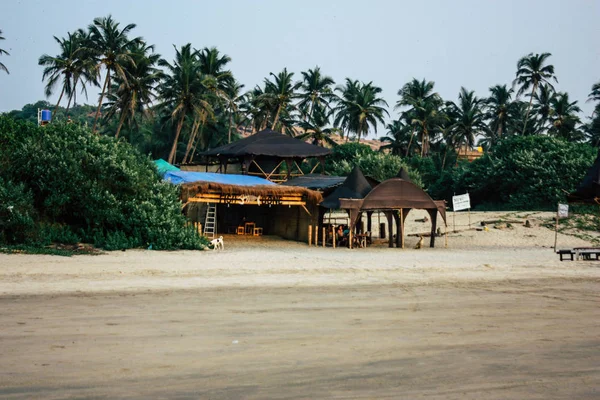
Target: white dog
point(218, 243)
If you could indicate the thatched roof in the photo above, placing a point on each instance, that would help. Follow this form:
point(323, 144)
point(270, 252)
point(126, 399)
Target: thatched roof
point(268, 143)
point(189, 190)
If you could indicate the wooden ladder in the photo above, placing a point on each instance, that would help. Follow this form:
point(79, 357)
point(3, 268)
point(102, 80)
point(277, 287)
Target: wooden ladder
point(210, 222)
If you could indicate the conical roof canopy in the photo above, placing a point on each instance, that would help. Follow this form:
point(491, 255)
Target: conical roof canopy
point(403, 174)
point(355, 186)
point(269, 143)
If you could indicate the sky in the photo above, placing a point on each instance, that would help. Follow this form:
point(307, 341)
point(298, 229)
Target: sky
point(475, 44)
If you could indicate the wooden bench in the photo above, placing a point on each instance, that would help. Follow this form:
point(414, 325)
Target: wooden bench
point(565, 252)
point(586, 252)
point(577, 253)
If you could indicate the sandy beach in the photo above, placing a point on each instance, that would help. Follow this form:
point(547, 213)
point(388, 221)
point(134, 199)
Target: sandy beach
point(494, 315)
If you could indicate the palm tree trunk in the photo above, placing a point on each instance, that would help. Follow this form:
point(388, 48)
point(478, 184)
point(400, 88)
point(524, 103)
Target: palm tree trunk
point(69, 104)
point(121, 120)
point(57, 103)
point(230, 122)
point(445, 155)
point(529, 108)
point(173, 152)
point(101, 98)
point(191, 141)
point(197, 141)
point(276, 117)
point(412, 134)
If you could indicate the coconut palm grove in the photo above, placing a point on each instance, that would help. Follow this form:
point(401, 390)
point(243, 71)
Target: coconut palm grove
point(534, 141)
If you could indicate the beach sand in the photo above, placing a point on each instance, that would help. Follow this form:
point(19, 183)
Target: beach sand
point(494, 315)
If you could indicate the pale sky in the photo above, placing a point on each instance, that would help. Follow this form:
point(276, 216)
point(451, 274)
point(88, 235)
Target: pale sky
point(475, 44)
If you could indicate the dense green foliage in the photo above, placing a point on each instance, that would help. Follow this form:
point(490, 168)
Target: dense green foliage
point(85, 187)
point(532, 172)
point(373, 164)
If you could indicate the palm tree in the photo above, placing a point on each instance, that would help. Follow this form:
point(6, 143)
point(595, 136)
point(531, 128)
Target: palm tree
point(531, 72)
point(564, 119)
point(85, 72)
point(543, 106)
point(2, 66)
point(423, 109)
point(110, 48)
point(316, 91)
point(468, 117)
point(233, 99)
point(348, 94)
point(398, 137)
point(182, 91)
point(498, 107)
point(69, 65)
point(280, 93)
point(315, 128)
point(135, 94)
point(360, 109)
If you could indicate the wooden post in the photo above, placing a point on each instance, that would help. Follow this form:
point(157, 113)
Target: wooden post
point(316, 235)
point(324, 236)
point(446, 234)
point(454, 221)
point(469, 218)
point(556, 229)
point(350, 237)
point(333, 233)
point(401, 227)
point(309, 235)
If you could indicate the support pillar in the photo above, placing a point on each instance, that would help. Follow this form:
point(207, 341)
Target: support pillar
point(433, 214)
point(388, 215)
point(399, 233)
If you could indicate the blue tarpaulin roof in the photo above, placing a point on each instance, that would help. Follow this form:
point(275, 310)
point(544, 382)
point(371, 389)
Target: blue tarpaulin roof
point(178, 177)
point(164, 166)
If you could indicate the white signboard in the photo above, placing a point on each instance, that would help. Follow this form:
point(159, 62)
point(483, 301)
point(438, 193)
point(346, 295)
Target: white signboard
point(563, 210)
point(461, 202)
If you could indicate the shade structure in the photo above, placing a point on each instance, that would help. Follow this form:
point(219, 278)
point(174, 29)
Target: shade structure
point(269, 154)
point(355, 186)
point(395, 196)
point(588, 190)
point(271, 144)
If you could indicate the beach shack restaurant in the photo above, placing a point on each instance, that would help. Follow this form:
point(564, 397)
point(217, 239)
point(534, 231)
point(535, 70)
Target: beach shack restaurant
point(251, 204)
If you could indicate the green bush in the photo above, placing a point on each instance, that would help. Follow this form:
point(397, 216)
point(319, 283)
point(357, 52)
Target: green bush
point(522, 173)
point(377, 165)
point(16, 213)
point(95, 188)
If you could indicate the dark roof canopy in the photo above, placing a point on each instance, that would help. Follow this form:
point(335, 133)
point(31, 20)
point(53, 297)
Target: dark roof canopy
point(316, 181)
point(394, 194)
point(402, 174)
point(355, 186)
point(269, 143)
point(589, 188)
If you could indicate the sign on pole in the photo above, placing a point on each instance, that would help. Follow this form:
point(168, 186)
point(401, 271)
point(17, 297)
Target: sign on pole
point(563, 210)
point(461, 202)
